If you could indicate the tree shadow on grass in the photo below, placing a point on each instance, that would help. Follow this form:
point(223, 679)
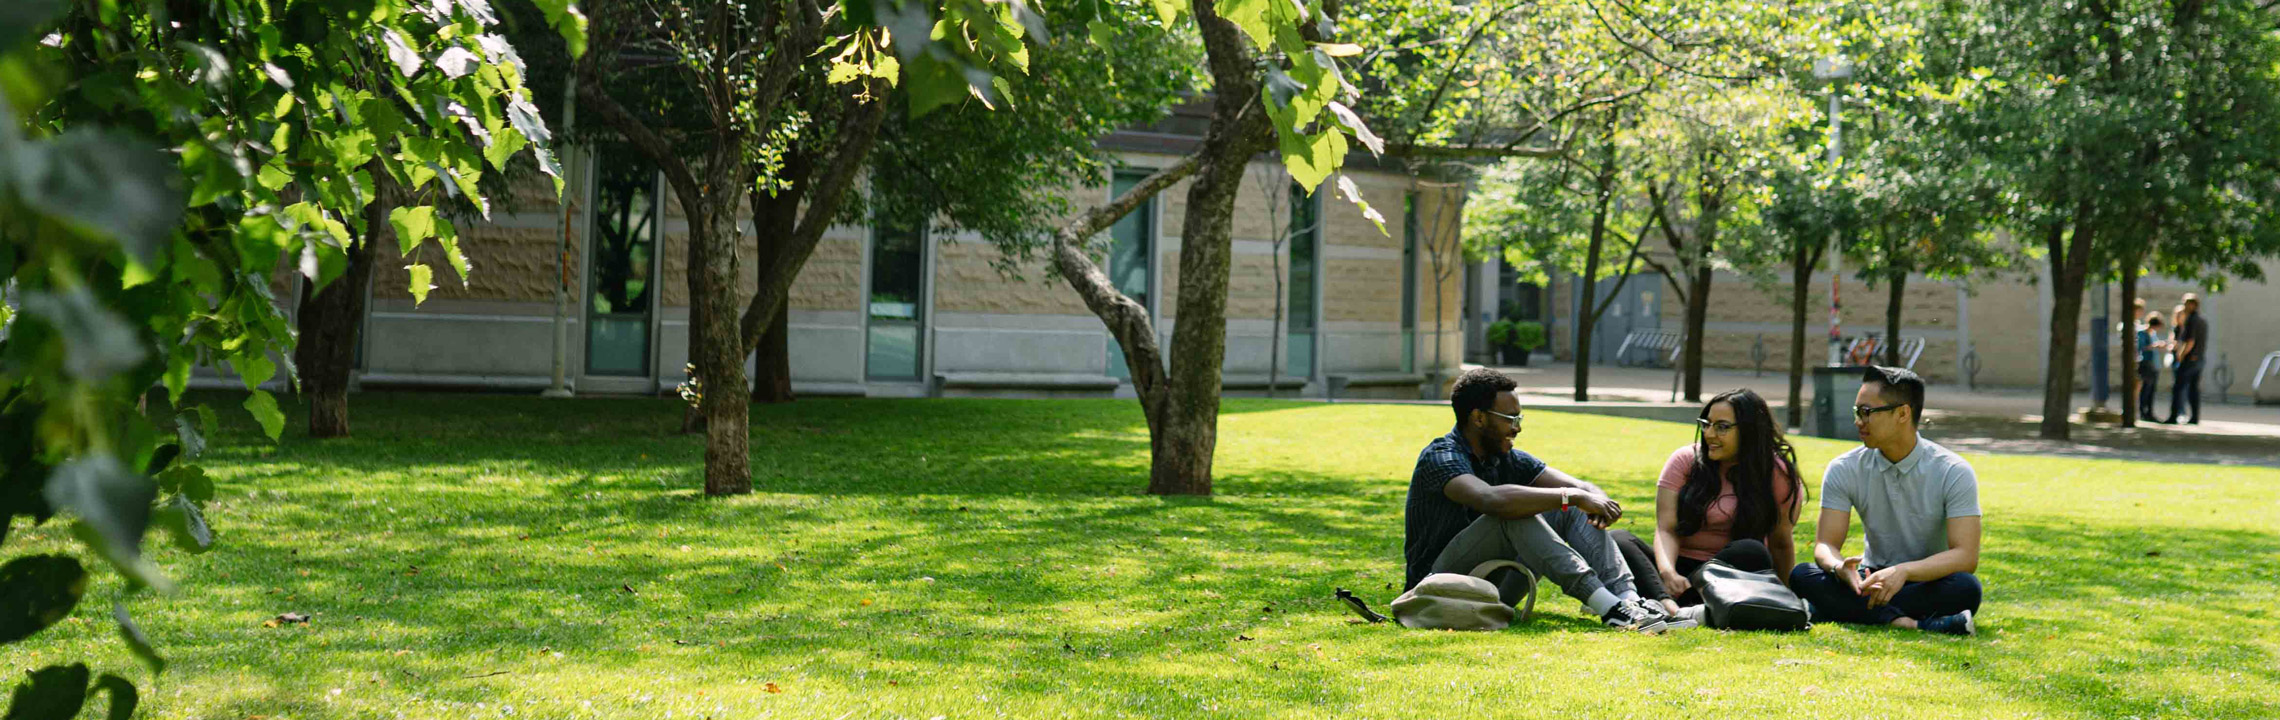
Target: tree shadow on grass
point(1042, 556)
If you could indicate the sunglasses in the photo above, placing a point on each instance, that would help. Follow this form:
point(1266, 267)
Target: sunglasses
point(1512, 418)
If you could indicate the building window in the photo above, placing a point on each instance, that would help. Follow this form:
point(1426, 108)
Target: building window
point(895, 334)
point(1305, 235)
point(619, 295)
point(1131, 259)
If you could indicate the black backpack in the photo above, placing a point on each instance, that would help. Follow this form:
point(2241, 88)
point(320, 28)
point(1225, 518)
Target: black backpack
point(1742, 600)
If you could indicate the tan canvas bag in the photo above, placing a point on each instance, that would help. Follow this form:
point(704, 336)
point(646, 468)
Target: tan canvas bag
point(1452, 601)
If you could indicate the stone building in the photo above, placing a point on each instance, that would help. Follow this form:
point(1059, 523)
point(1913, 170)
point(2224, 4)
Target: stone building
point(2001, 322)
point(902, 312)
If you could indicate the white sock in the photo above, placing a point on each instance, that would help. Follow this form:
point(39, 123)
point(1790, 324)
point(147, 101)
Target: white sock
point(1601, 601)
point(1629, 595)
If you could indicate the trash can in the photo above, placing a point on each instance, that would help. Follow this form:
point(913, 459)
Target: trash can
point(1833, 388)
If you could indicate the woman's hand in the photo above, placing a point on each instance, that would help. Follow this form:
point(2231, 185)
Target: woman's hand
point(1675, 583)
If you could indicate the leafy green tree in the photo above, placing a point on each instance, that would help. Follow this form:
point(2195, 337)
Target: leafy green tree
point(2117, 131)
point(161, 162)
point(1276, 84)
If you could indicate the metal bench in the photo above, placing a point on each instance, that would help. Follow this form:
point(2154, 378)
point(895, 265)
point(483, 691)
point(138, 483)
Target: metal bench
point(1339, 383)
point(2266, 387)
point(1651, 341)
point(1871, 346)
point(962, 383)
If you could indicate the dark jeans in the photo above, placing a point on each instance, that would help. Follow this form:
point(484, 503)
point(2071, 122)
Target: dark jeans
point(2187, 390)
point(2149, 378)
point(1744, 554)
point(1834, 601)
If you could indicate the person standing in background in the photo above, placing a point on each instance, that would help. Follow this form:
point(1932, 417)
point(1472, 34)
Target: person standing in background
point(2192, 345)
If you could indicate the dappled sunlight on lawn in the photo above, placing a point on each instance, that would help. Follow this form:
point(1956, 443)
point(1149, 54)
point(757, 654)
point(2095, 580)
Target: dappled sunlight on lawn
point(464, 555)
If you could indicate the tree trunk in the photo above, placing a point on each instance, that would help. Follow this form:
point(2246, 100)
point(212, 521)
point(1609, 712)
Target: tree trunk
point(1697, 319)
point(1899, 283)
point(1586, 321)
point(1698, 296)
point(329, 319)
point(775, 220)
point(1800, 285)
point(772, 363)
point(2070, 266)
point(2130, 382)
point(1184, 428)
point(1185, 432)
point(715, 346)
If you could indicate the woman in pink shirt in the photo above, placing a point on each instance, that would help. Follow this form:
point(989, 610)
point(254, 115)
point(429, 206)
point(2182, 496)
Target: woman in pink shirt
point(1732, 496)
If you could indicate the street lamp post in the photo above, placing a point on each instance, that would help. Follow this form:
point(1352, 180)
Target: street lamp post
point(1835, 70)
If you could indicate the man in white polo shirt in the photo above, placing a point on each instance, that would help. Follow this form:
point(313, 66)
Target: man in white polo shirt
point(1919, 507)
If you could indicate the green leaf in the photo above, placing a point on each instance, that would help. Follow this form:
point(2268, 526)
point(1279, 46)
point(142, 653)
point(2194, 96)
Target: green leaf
point(1169, 11)
point(135, 638)
point(38, 591)
point(1316, 156)
point(505, 142)
point(457, 62)
point(1353, 194)
point(207, 420)
point(254, 367)
point(842, 73)
point(188, 480)
point(187, 525)
point(135, 274)
point(273, 175)
point(116, 185)
point(1251, 16)
point(1353, 123)
point(401, 53)
point(186, 433)
point(123, 697)
point(423, 280)
point(97, 342)
point(448, 237)
point(263, 406)
point(414, 225)
point(177, 376)
point(113, 506)
point(55, 692)
point(933, 84)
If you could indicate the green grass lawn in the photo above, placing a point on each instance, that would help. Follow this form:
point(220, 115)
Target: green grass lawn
point(472, 556)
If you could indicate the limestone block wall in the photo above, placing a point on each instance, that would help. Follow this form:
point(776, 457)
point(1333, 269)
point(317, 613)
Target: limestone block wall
point(967, 281)
point(831, 280)
point(510, 259)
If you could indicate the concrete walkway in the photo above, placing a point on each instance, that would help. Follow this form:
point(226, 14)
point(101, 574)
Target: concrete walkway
point(1986, 419)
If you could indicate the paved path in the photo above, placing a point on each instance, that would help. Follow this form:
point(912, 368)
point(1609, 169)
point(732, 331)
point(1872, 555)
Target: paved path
point(1988, 419)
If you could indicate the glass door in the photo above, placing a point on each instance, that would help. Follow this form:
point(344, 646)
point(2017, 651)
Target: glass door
point(894, 336)
point(1305, 235)
point(620, 288)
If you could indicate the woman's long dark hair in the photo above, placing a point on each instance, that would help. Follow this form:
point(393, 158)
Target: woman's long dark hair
point(1761, 446)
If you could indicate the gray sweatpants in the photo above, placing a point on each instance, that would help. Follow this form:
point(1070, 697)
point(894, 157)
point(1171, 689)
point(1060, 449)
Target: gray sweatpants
point(1558, 544)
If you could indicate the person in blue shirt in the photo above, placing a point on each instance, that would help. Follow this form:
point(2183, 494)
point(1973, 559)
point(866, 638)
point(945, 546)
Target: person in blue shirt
point(2149, 362)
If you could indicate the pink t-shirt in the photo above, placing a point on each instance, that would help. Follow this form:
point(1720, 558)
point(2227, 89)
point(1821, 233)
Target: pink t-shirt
point(1718, 519)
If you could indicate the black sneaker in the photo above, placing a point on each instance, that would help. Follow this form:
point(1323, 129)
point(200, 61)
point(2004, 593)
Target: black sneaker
point(1635, 616)
point(1957, 624)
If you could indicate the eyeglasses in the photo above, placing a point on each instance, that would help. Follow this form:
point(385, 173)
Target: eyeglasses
point(1861, 412)
point(1512, 418)
point(1720, 427)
